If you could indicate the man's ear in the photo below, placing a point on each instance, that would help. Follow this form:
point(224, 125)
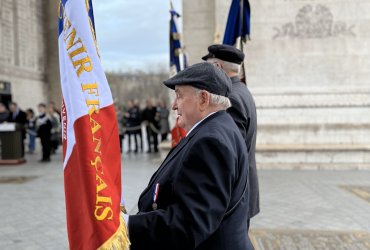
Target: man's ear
point(205, 99)
point(218, 65)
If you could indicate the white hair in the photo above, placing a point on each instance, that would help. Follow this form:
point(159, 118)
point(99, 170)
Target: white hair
point(217, 100)
point(227, 66)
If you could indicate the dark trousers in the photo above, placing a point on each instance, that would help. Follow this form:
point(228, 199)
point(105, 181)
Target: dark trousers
point(54, 144)
point(46, 147)
point(152, 139)
point(140, 135)
point(120, 142)
point(164, 136)
point(129, 141)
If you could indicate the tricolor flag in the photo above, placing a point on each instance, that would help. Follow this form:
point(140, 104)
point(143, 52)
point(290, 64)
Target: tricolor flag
point(92, 162)
point(175, 66)
point(175, 44)
point(238, 27)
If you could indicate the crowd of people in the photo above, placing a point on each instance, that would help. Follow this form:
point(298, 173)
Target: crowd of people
point(130, 119)
point(46, 125)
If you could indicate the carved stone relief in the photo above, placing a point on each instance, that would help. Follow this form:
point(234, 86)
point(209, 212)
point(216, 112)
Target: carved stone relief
point(314, 22)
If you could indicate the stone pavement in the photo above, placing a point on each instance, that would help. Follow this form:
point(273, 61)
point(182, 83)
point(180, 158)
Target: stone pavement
point(300, 209)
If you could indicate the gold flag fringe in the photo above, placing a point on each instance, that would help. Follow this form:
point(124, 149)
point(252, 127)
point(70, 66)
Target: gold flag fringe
point(119, 240)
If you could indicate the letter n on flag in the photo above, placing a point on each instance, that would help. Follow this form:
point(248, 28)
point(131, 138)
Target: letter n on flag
point(92, 162)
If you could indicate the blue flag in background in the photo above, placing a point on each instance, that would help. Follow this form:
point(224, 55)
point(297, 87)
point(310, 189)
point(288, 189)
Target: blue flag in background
point(238, 22)
point(175, 45)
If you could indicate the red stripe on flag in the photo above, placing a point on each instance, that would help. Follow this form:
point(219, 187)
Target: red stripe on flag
point(93, 187)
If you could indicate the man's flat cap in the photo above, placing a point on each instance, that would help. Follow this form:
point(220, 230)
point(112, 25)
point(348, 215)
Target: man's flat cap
point(203, 76)
point(224, 52)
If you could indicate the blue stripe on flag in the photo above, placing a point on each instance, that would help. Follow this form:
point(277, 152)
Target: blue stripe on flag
point(62, 3)
point(91, 14)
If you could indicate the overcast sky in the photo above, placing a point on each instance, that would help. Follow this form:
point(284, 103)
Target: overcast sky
point(133, 34)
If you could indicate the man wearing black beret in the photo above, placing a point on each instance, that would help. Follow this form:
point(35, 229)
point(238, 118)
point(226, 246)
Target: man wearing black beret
point(198, 198)
point(243, 111)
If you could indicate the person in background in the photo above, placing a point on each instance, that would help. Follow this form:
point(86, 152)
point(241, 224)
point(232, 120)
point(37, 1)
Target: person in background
point(138, 131)
point(43, 128)
point(120, 123)
point(133, 124)
point(31, 130)
point(163, 120)
point(53, 106)
point(18, 116)
point(151, 118)
point(4, 113)
point(243, 111)
point(55, 137)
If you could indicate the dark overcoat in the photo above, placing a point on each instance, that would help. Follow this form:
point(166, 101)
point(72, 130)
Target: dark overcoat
point(202, 200)
point(243, 111)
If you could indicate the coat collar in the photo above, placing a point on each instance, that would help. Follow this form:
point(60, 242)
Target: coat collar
point(235, 79)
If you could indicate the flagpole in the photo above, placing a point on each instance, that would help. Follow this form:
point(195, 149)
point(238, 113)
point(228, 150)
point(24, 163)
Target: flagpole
point(241, 19)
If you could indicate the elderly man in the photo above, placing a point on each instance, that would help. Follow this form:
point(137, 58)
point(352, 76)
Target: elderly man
point(243, 111)
point(198, 198)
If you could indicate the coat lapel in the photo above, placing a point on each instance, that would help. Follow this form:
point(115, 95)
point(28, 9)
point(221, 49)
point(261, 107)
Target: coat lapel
point(170, 155)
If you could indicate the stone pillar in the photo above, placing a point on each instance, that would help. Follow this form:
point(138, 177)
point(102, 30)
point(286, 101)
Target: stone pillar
point(203, 24)
point(53, 89)
point(308, 68)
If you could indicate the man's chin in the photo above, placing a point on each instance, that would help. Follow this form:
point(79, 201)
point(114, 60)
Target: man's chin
point(181, 123)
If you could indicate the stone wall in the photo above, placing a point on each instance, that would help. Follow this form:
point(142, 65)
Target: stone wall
point(22, 50)
point(310, 45)
point(308, 68)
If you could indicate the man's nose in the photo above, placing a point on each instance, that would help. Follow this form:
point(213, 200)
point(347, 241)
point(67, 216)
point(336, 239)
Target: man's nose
point(174, 105)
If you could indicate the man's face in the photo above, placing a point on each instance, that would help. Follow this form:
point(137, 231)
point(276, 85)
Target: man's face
point(187, 106)
point(130, 104)
point(149, 104)
point(12, 107)
point(41, 109)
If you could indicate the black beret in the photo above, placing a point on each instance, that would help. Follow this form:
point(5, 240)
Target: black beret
point(203, 76)
point(224, 52)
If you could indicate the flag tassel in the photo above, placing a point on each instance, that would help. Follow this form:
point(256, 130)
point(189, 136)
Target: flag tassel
point(119, 240)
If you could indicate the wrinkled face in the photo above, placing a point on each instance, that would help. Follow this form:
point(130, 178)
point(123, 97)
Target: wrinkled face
point(187, 105)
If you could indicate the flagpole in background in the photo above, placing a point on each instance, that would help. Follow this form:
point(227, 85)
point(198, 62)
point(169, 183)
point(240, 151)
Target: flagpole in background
point(176, 51)
point(241, 15)
point(237, 30)
point(91, 151)
point(175, 44)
